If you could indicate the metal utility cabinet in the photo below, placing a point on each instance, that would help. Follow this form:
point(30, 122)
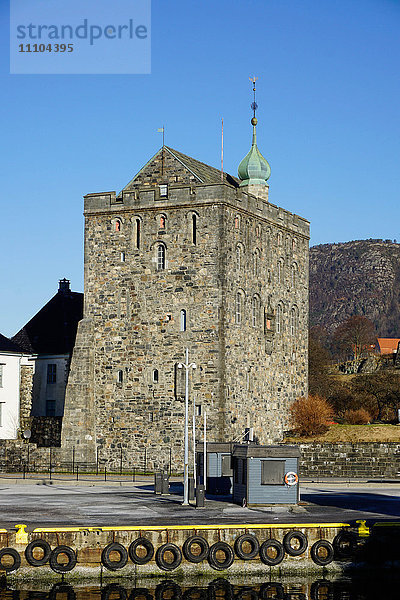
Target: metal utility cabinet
point(265, 475)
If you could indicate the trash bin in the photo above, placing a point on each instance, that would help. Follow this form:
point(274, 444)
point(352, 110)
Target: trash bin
point(200, 496)
point(164, 483)
point(191, 489)
point(157, 483)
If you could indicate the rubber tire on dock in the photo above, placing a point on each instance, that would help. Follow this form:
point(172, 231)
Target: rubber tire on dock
point(43, 545)
point(229, 556)
point(162, 563)
point(187, 549)
point(295, 535)
point(344, 544)
point(114, 565)
point(64, 589)
point(55, 565)
point(167, 586)
point(249, 539)
point(15, 556)
point(265, 591)
point(111, 589)
point(329, 550)
point(145, 543)
point(280, 552)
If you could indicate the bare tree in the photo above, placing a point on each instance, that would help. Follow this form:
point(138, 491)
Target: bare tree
point(355, 335)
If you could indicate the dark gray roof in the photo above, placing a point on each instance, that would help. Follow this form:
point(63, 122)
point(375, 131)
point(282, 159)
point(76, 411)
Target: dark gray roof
point(252, 450)
point(53, 329)
point(7, 345)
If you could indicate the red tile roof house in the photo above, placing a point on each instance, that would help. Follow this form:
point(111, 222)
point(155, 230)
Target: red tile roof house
point(387, 345)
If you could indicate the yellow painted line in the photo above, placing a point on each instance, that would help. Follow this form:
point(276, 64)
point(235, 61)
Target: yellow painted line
point(188, 527)
point(3, 530)
point(387, 524)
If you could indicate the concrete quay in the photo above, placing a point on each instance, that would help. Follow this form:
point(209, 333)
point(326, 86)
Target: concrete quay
point(87, 516)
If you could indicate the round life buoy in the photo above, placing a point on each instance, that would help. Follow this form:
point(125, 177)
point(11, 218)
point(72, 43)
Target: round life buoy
point(176, 554)
point(58, 567)
point(44, 546)
point(215, 562)
point(328, 552)
point(276, 547)
point(250, 540)
point(15, 558)
point(141, 542)
point(300, 537)
point(187, 549)
point(291, 478)
point(114, 565)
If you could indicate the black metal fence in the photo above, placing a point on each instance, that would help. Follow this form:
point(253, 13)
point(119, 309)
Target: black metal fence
point(27, 461)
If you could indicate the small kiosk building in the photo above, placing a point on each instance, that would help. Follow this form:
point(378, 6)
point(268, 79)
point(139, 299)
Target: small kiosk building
point(265, 475)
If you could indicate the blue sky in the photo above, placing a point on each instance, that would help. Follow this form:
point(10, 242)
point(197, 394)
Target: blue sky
point(328, 95)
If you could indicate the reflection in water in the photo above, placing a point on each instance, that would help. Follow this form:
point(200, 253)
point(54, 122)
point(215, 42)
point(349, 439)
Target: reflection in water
point(290, 588)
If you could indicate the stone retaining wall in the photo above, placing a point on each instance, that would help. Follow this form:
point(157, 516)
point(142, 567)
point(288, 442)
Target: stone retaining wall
point(365, 460)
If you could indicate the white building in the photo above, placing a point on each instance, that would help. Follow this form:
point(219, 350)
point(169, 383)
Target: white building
point(12, 361)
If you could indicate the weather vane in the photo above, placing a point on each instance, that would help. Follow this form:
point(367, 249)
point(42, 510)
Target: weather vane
point(254, 104)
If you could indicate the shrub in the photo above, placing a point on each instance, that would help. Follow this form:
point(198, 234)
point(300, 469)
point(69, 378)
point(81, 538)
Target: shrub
point(357, 417)
point(310, 415)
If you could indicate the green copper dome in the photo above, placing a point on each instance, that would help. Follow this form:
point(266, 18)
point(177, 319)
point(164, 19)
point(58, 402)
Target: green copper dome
point(254, 168)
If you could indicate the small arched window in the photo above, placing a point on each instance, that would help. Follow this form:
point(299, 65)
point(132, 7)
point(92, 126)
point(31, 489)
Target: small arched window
point(293, 275)
point(120, 376)
point(293, 244)
point(237, 222)
point(239, 308)
point(122, 256)
point(117, 225)
point(183, 320)
point(162, 222)
point(258, 231)
point(256, 311)
point(279, 239)
point(238, 257)
point(160, 257)
point(294, 321)
point(256, 262)
point(194, 229)
point(137, 233)
point(278, 322)
point(155, 376)
point(280, 271)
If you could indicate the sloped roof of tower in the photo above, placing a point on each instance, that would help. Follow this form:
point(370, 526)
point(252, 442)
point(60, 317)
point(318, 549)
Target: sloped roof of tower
point(174, 162)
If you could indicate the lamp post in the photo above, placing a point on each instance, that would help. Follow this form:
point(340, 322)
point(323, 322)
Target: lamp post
point(186, 366)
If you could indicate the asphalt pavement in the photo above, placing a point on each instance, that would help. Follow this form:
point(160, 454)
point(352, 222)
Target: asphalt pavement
point(61, 502)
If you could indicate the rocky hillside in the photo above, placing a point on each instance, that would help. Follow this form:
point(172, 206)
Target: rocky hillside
point(356, 278)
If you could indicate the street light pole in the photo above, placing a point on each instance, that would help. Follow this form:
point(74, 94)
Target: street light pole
point(186, 366)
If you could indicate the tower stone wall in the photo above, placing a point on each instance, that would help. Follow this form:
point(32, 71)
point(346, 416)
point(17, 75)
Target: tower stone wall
point(183, 260)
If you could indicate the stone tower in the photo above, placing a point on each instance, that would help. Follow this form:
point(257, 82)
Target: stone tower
point(184, 257)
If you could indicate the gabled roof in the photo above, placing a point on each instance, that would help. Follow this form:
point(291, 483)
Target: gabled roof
point(203, 173)
point(53, 329)
point(388, 345)
point(7, 345)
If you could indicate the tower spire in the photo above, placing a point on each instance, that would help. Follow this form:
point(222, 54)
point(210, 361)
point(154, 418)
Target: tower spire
point(254, 170)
